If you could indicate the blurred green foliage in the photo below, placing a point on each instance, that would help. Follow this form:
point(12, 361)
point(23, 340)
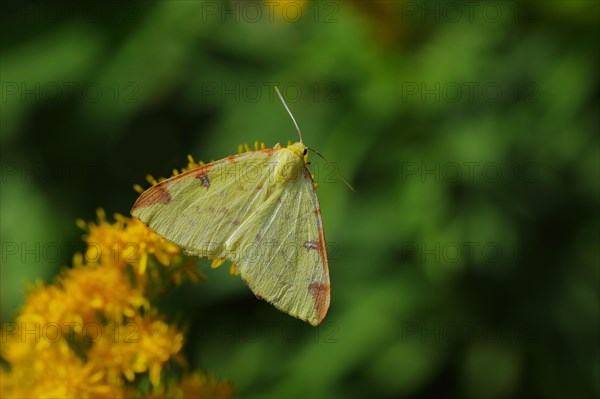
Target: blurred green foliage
point(465, 265)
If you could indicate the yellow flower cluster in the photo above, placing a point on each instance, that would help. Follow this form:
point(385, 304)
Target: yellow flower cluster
point(95, 333)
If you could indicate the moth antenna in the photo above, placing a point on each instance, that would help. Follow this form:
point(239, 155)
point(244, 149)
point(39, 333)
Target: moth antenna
point(336, 171)
point(289, 112)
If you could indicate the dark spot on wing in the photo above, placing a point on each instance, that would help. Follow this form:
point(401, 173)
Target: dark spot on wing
point(320, 294)
point(158, 194)
point(204, 179)
point(311, 245)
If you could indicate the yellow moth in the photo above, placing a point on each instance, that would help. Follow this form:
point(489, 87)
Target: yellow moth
point(259, 209)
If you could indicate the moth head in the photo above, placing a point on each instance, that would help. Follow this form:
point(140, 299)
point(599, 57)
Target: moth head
point(299, 149)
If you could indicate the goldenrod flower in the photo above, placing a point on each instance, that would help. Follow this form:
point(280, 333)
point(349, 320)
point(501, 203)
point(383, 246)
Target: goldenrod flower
point(125, 242)
point(140, 345)
point(55, 371)
point(94, 331)
point(102, 289)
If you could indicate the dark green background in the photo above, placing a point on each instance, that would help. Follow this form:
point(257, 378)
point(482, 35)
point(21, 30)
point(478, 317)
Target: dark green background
point(466, 263)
